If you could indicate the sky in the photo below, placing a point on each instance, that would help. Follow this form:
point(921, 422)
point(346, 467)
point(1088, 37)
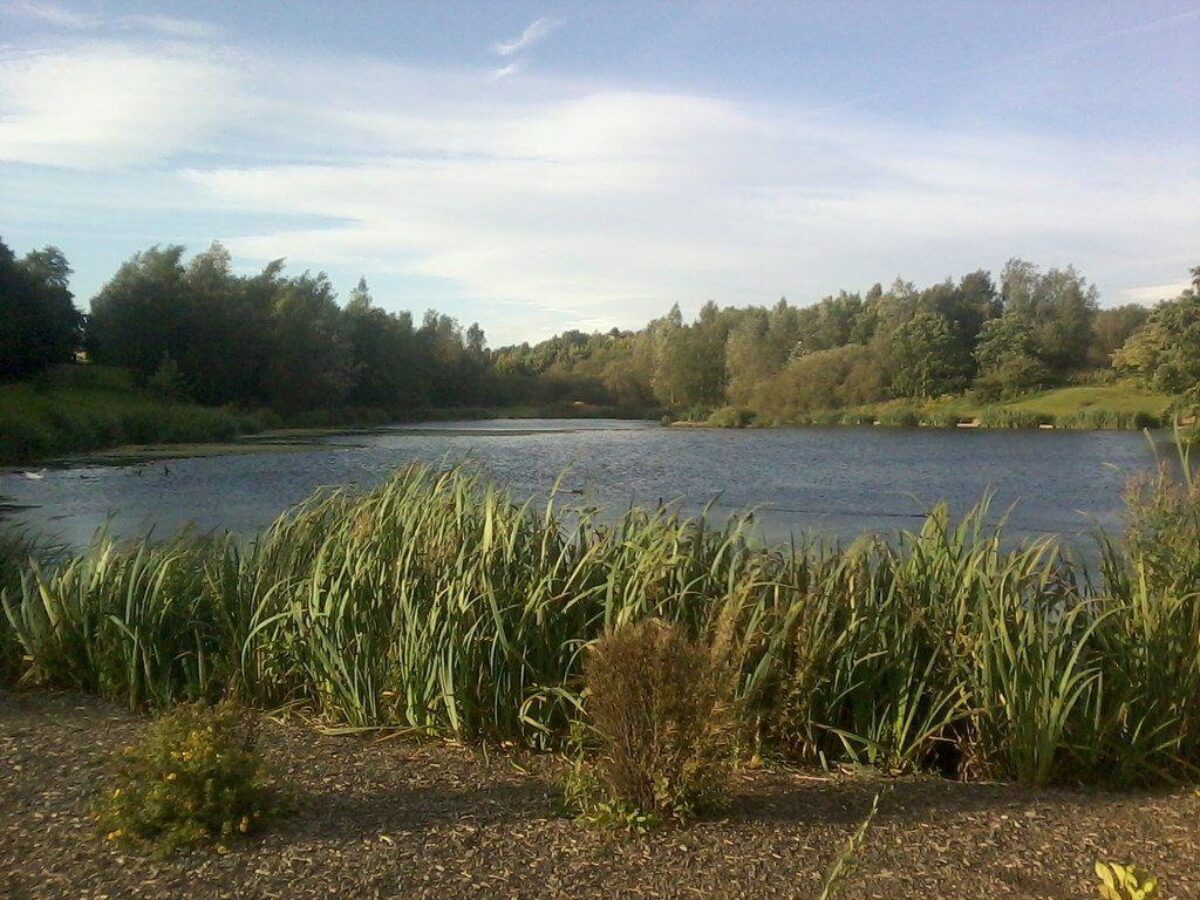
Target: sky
point(539, 166)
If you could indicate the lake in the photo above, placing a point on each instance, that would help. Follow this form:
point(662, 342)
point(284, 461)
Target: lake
point(838, 482)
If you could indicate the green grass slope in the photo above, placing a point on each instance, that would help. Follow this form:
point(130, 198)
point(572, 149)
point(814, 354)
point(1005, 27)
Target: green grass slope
point(76, 408)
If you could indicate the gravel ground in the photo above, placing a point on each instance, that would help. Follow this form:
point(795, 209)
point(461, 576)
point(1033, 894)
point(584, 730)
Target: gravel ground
point(394, 817)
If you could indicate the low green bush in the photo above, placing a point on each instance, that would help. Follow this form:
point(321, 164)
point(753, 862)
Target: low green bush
point(903, 417)
point(195, 775)
point(731, 417)
point(1007, 417)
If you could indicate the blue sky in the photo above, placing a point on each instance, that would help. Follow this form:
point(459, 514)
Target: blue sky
point(541, 166)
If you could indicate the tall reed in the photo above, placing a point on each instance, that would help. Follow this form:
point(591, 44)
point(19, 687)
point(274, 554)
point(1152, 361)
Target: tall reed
point(437, 602)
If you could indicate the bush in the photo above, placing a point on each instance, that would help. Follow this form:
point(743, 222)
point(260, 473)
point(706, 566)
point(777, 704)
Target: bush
point(900, 417)
point(660, 706)
point(731, 417)
point(195, 775)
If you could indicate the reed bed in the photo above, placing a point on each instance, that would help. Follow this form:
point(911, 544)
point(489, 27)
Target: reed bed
point(437, 603)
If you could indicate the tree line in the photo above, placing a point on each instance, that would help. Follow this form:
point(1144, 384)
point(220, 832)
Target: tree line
point(195, 330)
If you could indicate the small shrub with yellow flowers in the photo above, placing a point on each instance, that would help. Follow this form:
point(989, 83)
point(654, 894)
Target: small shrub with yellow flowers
point(194, 776)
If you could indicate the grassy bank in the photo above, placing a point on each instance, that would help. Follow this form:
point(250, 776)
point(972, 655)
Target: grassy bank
point(81, 408)
point(437, 603)
point(74, 409)
point(1120, 405)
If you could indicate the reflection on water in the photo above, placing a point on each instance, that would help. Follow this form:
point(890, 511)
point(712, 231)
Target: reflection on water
point(837, 481)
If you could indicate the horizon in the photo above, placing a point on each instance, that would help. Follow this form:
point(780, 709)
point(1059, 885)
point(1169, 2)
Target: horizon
point(555, 166)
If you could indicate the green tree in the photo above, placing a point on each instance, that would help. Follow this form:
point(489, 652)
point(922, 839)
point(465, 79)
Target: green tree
point(1056, 307)
point(926, 360)
point(39, 324)
point(1007, 358)
point(1166, 352)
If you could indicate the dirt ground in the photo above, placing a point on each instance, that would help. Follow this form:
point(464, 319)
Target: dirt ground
point(394, 817)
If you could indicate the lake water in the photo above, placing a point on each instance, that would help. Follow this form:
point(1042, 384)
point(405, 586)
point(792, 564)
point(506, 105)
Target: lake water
point(837, 481)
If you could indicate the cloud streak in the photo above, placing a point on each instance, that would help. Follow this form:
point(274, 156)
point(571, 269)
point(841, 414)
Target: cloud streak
point(536, 31)
point(61, 17)
point(54, 15)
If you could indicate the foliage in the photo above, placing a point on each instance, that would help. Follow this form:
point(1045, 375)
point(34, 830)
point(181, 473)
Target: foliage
point(75, 408)
point(15, 551)
point(1008, 360)
point(193, 330)
point(39, 325)
point(195, 775)
point(1166, 352)
point(661, 708)
point(731, 417)
point(587, 799)
point(436, 602)
point(271, 340)
point(1118, 882)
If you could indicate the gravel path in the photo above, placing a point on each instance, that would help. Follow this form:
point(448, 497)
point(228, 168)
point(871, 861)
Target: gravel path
point(393, 817)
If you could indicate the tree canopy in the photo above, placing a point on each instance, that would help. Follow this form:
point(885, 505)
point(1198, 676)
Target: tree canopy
point(195, 329)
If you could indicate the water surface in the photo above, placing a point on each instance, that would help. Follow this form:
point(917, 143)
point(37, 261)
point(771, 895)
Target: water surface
point(837, 481)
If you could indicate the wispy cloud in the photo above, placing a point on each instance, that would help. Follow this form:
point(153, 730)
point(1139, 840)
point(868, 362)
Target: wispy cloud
point(533, 33)
point(172, 26)
point(61, 17)
point(54, 15)
point(504, 71)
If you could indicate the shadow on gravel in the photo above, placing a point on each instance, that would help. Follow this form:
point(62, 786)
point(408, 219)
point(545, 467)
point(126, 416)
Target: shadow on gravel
point(334, 815)
point(903, 802)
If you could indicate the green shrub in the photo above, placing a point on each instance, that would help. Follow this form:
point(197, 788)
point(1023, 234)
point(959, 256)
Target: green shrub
point(661, 709)
point(731, 417)
point(941, 419)
point(903, 417)
point(1006, 417)
point(195, 775)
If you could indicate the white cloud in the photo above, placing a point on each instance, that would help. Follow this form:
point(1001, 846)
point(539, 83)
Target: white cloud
point(557, 204)
point(533, 33)
point(61, 17)
point(108, 105)
point(54, 15)
point(172, 26)
point(1152, 293)
point(505, 71)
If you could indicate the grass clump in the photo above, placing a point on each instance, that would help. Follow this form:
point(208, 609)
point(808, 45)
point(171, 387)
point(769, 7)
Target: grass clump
point(76, 408)
point(195, 776)
point(661, 709)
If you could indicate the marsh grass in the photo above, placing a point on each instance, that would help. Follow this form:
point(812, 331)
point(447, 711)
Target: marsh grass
point(436, 602)
point(78, 408)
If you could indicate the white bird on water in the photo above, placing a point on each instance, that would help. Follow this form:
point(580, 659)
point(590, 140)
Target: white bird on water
point(36, 476)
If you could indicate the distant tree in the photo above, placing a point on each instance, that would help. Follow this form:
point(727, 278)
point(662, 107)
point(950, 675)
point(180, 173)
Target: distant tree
point(926, 360)
point(39, 324)
point(1166, 352)
point(311, 363)
point(139, 316)
point(1008, 359)
point(1111, 329)
point(1057, 309)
